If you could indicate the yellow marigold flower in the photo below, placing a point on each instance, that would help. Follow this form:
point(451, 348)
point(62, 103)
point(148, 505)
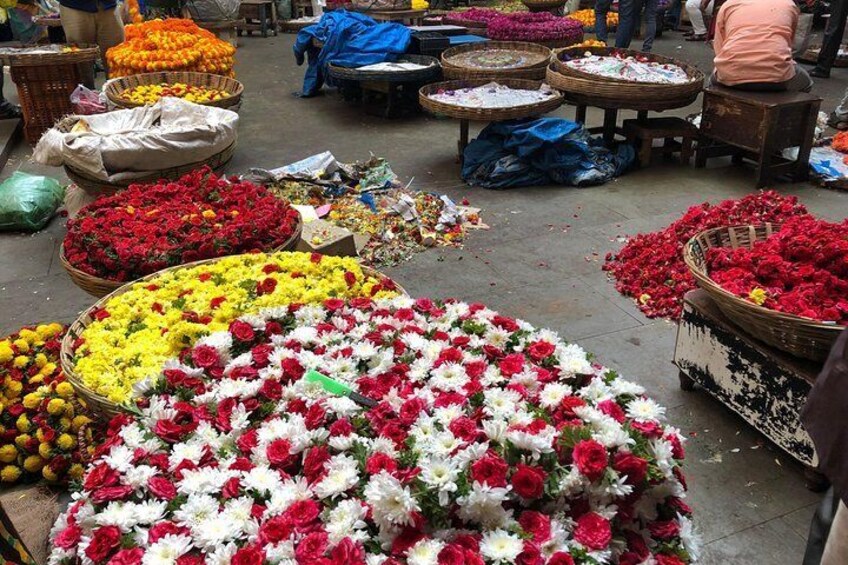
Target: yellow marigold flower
point(45, 450)
point(36, 379)
point(23, 423)
point(79, 422)
point(40, 360)
point(6, 351)
point(69, 410)
point(65, 390)
point(48, 369)
point(208, 214)
point(758, 296)
point(32, 400)
point(28, 335)
point(22, 345)
point(64, 423)
point(46, 331)
point(22, 440)
point(76, 471)
point(33, 463)
point(66, 442)
point(13, 389)
point(39, 435)
point(21, 361)
point(56, 406)
point(48, 474)
point(10, 474)
point(8, 453)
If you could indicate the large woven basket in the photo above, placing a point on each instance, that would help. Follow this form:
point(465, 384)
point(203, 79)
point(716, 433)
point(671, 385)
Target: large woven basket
point(231, 86)
point(100, 406)
point(99, 287)
point(802, 337)
point(26, 58)
point(432, 71)
point(533, 71)
point(486, 114)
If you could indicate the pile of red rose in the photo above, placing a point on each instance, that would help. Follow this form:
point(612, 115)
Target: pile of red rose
point(801, 270)
point(149, 227)
point(523, 26)
point(650, 267)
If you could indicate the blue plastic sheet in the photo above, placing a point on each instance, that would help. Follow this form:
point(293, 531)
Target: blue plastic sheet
point(541, 151)
point(350, 40)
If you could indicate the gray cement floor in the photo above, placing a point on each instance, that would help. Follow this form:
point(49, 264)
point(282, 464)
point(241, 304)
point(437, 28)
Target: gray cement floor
point(541, 261)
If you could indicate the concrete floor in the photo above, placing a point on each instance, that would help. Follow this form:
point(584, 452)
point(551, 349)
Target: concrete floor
point(541, 261)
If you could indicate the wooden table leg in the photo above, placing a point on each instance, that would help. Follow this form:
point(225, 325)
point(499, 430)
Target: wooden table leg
point(610, 118)
point(263, 21)
point(802, 164)
point(463, 139)
point(580, 114)
point(642, 115)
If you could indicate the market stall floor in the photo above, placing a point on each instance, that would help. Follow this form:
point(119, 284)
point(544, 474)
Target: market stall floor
point(541, 260)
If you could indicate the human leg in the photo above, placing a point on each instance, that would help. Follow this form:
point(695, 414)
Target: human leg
point(801, 82)
point(836, 548)
point(650, 24)
point(602, 8)
point(696, 16)
point(110, 32)
point(629, 12)
point(80, 27)
point(839, 117)
point(832, 38)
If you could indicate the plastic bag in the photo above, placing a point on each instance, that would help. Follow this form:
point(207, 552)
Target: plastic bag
point(86, 101)
point(27, 202)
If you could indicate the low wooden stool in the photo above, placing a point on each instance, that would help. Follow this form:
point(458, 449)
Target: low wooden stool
point(642, 133)
point(758, 126)
point(259, 15)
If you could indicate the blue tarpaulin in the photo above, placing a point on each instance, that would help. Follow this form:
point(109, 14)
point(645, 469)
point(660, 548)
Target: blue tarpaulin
point(350, 40)
point(541, 151)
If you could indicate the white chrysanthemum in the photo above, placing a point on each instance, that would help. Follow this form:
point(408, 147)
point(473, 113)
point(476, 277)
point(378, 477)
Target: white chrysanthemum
point(238, 513)
point(611, 435)
point(552, 394)
point(664, 455)
point(206, 480)
point(596, 391)
point(441, 475)
point(213, 531)
point(261, 479)
point(117, 514)
point(572, 360)
point(342, 475)
point(135, 438)
point(196, 508)
point(310, 314)
point(536, 443)
point(370, 559)
point(190, 450)
point(444, 443)
point(616, 485)
point(500, 546)
point(500, 403)
point(496, 337)
point(645, 410)
point(289, 492)
point(282, 552)
point(391, 502)
point(120, 458)
point(447, 414)
point(495, 430)
point(425, 552)
point(342, 406)
point(221, 555)
point(138, 477)
point(621, 387)
point(491, 377)
point(344, 443)
point(347, 520)
point(689, 537)
point(483, 505)
point(167, 550)
point(382, 445)
point(222, 342)
point(572, 483)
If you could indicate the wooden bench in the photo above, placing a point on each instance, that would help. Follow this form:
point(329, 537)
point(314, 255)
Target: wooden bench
point(758, 126)
point(642, 133)
point(258, 15)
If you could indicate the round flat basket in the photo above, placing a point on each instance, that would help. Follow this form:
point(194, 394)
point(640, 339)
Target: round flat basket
point(431, 71)
point(233, 88)
point(99, 405)
point(486, 114)
point(99, 287)
point(802, 337)
point(496, 59)
point(30, 57)
point(615, 95)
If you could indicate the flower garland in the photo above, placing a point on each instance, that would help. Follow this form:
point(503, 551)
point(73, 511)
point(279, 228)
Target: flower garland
point(802, 269)
point(39, 423)
point(650, 267)
point(492, 443)
point(136, 331)
point(840, 142)
point(134, 12)
point(534, 26)
point(173, 44)
point(587, 19)
point(149, 227)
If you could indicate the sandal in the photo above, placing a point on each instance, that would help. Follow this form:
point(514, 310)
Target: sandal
point(836, 123)
point(9, 111)
point(699, 37)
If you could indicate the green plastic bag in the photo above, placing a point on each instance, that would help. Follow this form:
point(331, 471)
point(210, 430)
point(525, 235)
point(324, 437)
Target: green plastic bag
point(27, 202)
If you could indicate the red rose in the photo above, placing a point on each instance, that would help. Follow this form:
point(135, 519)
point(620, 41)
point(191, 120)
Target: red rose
point(511, 364)
point(529, 482)
point(127, 557)
point(311, 547)
point(593, 531)
point(231, 487)
point(303, 512)
point(490, 470)
point(242, 331)
point(279, 453)
point(191, 559)
point(634, 467)
point(380, 462)
point(561, 558)
point(569, 403)
point(663, 559)
point(464, 428)
point(162, 529)
point(248, 441)
point(539, 350)
point(204, 356)
point(69, 537)
point(170, 431)
point(348, 552)
point(313, 463)
point(248, 555)
point(452, 554)
point(266, 286)
point(162, 488)
point(100, 476)
point(276, 529)
point(350, 279)
point(648, 429)
point(410, 410)
point(107, 494)
point(590, 457)
point(103, 541)
point(530, 555)
point(536, 524)
point(612, 409)
point(664, 530)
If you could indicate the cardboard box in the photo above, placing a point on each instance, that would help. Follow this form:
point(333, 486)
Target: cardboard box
point(320, 236)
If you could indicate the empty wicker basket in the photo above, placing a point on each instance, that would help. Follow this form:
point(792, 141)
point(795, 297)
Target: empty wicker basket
point(802, 337)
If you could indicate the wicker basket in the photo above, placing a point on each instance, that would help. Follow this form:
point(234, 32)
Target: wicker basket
point(82, 54)
point(231, 86)
point(615, 95)
point(99, 287)
point(533, 71)
point(431, 72)
point(100, 406)
point(798, 336)
point(486, 114)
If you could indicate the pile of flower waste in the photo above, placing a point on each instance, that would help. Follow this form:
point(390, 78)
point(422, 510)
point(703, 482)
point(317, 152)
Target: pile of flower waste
point(367, 198)
point(650, 267)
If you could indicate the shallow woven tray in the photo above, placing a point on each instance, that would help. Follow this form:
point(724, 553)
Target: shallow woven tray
point(84, 54)
point(231, 86)
point(432, 72)
point(798, 336)
point(96, 186)
point(615, 96)
point(99, 405)
point(811, 56)
point(99, 287)
point(486, 114)
point(453, 70)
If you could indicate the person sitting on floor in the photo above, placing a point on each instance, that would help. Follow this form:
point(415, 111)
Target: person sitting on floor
point(697, 9)
point(753, 46)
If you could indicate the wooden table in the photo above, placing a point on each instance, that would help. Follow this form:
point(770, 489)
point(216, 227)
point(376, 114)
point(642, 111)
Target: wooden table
point(259, 15)
point(223, 29)
point(410, 17)
point(758, 126)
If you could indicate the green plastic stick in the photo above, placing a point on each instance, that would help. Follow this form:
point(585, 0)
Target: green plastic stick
point(337, 388)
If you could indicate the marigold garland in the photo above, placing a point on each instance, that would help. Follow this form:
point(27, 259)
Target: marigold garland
point(136, 331)
point(173, 44)
point(134, 11)
point(840, 142)
point(40, 422)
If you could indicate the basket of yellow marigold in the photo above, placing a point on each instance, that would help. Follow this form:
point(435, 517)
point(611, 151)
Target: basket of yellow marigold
point(173, 44)
point(201, 88)
point(44, 428)
point(117, 346)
